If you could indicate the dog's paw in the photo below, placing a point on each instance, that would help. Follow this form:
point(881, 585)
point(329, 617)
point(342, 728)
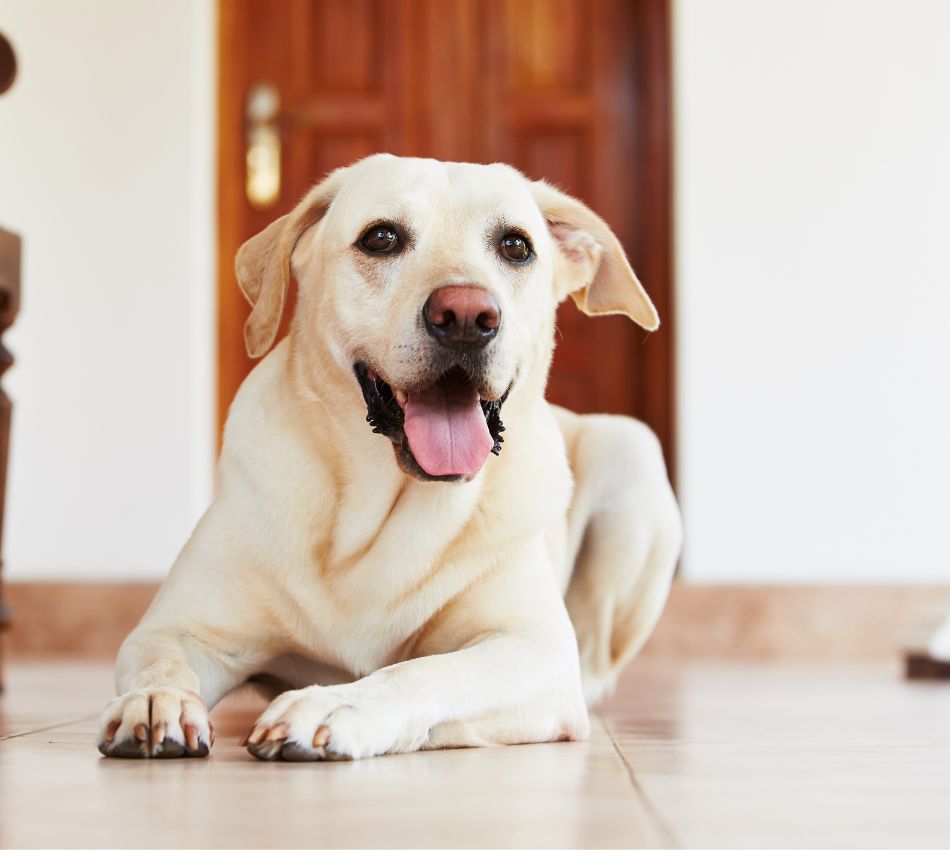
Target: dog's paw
point(156, 723)
point(329, 723)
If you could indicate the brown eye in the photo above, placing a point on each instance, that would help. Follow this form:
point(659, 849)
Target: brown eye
point(515, 248)
point(379, 239)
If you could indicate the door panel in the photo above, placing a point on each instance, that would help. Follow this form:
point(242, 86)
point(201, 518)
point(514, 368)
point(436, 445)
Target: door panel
point(552, 102)
point(575, 91)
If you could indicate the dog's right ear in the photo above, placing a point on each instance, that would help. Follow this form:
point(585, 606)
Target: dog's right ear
point(592, 266)
point(263, 264)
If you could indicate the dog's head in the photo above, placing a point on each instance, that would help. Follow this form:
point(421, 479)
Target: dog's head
point(434, 285)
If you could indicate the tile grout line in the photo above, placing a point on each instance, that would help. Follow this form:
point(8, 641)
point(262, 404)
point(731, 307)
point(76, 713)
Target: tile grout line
point(58, 725)
point(651, 808)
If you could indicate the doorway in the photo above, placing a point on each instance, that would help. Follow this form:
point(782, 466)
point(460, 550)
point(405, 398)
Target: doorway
point(575, 91)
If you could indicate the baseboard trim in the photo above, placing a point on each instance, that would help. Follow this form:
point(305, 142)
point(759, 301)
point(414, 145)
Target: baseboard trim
point(745, 623)
point(796, 622)
point(88, 619)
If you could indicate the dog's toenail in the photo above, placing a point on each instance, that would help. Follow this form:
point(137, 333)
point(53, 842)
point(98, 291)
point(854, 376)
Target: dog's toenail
point(321, 736)
point(278, 732)
point(112, 728)
point(191, 737)
point(141, 732)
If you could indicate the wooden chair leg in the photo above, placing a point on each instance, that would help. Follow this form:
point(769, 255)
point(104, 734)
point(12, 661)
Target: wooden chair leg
point(10, 246)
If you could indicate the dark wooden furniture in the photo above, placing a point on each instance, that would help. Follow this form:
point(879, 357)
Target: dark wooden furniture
point(576, 91)
point(9, 303)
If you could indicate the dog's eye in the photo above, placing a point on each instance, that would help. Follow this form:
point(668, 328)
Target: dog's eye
point(380, 239)
point(515, 247)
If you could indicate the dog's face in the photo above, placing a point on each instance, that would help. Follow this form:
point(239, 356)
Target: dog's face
point(434, 285)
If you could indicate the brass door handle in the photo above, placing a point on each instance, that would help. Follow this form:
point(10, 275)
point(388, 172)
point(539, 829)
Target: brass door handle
point(262, 138)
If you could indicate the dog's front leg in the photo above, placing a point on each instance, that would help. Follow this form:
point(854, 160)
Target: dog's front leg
point(170, 670)
point(499, 666)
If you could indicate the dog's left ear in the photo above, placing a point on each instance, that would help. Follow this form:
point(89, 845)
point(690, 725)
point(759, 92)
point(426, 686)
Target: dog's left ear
point(591, 265)
point(263, 264)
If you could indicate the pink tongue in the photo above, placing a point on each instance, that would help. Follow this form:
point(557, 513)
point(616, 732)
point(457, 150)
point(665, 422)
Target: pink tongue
point(447, 431)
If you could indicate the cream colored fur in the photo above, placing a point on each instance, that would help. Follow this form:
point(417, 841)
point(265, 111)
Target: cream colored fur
point(404, 614)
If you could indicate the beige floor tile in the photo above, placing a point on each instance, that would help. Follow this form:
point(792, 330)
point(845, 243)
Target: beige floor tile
point(752, 756)
point(40, 695)
point(696, 755)
point(56, 791)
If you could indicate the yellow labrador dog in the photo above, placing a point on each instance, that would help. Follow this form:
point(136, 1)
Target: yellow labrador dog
point(405, 576)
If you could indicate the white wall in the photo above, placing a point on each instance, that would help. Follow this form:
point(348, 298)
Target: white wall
point(106, 169)
point(813, 216)
point(813, 173)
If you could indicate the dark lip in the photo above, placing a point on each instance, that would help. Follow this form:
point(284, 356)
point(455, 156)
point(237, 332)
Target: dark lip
point(386, 417)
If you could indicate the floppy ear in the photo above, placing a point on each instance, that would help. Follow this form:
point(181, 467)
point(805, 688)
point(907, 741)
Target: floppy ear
point(591, 266)
point(263, 264)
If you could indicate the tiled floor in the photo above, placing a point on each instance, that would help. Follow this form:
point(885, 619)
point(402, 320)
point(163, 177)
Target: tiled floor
point(692, 755)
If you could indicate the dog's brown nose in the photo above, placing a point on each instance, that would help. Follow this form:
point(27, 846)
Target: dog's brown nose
point(462, 317)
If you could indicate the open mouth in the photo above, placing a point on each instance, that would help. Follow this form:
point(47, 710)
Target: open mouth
point(442, 432)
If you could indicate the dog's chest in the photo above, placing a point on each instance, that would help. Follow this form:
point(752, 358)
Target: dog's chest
point(381, 564)
point(369, 564)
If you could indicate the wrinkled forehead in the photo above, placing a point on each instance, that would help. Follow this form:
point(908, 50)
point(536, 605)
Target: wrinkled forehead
point(424, 194)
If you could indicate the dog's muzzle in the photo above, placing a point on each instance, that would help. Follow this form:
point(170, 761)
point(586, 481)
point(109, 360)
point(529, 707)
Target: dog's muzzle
point(443, 431)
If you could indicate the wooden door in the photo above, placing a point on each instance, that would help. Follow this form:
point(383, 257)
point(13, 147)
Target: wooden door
point(575, 91)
